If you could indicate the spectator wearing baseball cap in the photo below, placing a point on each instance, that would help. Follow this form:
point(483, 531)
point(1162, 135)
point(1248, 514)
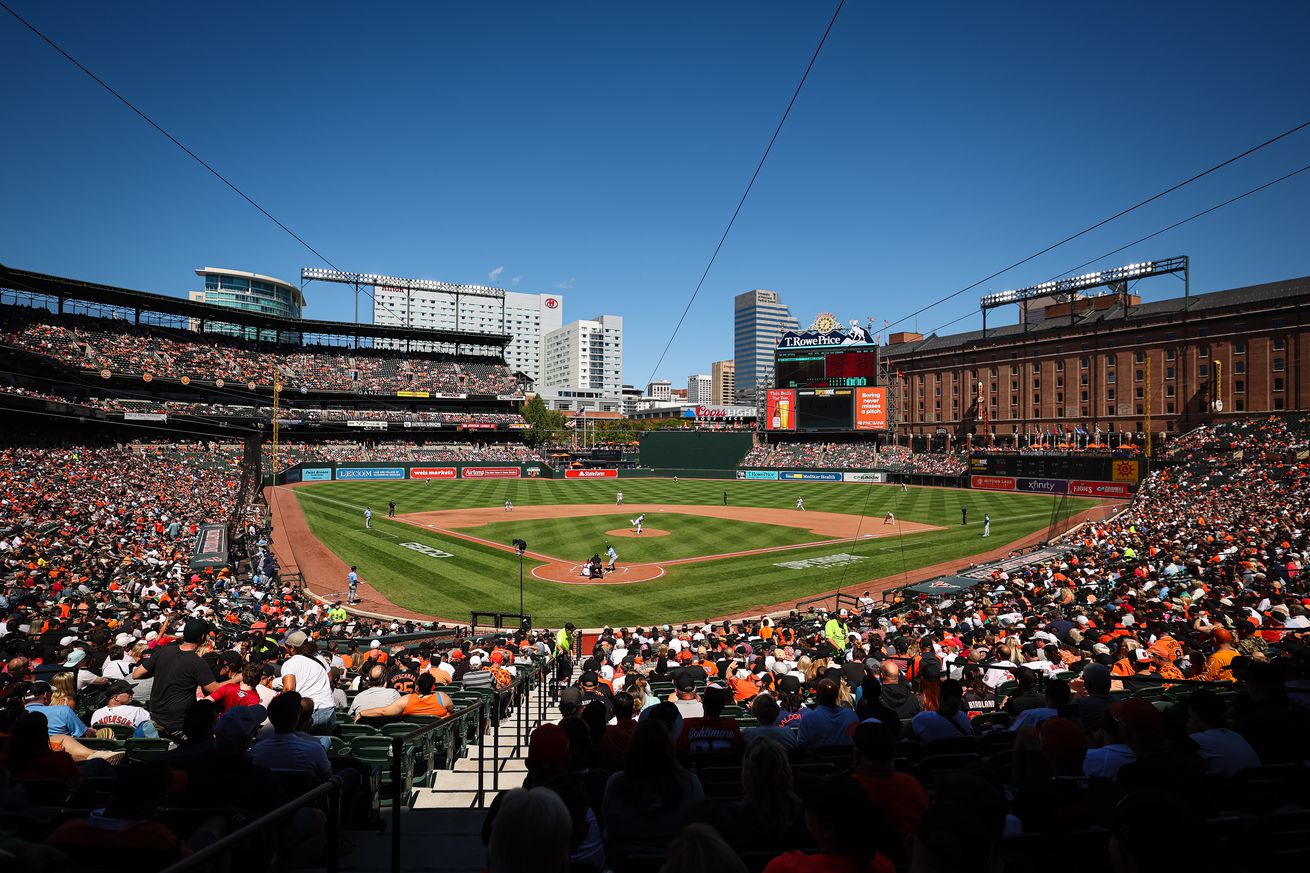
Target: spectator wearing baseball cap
point(1219, 666)
point(711, 732)
point(177, 672)
point(119, 710)
point(685, 697)
point(900, 796)
point(306, 673)
point(1133, 725)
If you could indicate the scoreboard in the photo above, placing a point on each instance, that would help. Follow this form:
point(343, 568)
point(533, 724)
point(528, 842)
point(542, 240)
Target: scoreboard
point(1078, 475)
point(840, 367)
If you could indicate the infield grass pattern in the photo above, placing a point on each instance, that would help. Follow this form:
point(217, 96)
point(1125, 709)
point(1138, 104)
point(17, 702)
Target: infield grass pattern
point(479, 577)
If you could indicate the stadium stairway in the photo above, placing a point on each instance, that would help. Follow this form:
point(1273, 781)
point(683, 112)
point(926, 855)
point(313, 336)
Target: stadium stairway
point(443, 829)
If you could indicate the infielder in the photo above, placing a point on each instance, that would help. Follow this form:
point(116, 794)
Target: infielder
point(889, 518)
point(618, 499)
point(509, 506)
point(800, 503)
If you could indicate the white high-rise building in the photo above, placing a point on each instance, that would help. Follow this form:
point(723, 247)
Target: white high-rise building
point(526, 317)
point(586, 355)
point(759, 318)
point(660, 389)
point(700, 389)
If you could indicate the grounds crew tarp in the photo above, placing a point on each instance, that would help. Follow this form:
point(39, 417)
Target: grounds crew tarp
point(211, 547)
point(944, 585)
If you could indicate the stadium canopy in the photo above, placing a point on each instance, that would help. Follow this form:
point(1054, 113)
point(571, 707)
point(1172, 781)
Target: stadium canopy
point(62, 289)
point(944, 585)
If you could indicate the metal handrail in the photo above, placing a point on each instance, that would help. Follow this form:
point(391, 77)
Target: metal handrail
point(331, 789)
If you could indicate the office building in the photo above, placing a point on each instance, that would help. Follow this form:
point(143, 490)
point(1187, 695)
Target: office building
point(1110, 364)
point(723, 383)
point(248, 292)
point(699, 388)
point(660, 389)
point(586, 355)
point(526, 317)
point(759, 318)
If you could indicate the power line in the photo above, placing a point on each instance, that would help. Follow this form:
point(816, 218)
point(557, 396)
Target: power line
point(1120, 214)
point(1152, 235)
point(742, 202)
point(175, 141)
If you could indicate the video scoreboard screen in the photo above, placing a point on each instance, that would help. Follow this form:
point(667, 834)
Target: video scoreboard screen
point(826, 409)
point(826, 368)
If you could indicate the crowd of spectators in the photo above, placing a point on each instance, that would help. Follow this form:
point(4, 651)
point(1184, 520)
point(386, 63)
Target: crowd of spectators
point(1160, 666)
point(868, 456)
point(96, 344)
point(292, 453)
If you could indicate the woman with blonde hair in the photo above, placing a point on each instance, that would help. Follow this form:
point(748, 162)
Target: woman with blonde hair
point(64, 692)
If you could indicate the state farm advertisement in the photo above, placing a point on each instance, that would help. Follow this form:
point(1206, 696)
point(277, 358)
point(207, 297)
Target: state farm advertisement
point(432, 472)
point(870, 408)
point(1081, 488)
point(490, 473)
point(591, 474)
point(993, 483)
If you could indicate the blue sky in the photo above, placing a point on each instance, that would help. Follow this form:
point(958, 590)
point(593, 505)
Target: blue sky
point(600, 148)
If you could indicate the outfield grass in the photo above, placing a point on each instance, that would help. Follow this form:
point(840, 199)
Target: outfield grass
point(483, 578)
point(578, 538)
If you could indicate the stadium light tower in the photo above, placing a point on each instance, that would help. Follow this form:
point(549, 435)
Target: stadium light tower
point(1116, 278)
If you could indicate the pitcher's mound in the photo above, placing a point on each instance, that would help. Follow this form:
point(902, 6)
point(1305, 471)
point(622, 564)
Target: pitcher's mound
point(629, 532)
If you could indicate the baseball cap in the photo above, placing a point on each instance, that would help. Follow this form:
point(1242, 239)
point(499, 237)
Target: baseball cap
point(37, 689)
point(195, 630)
point(376, 644)
point(589, 679)
point(120, 686)
point(295, 639)
point(75, 657)
point(789, 683)
point(124, 640)
point(549, 746)
point(1139, 716)
point(684, 682)
point(239, 722)
point(475, 662)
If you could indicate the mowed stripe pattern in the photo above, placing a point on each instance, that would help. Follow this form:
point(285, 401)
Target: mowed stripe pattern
point(483, 578)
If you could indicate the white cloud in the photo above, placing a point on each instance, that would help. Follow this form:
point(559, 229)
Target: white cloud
point(567, 283)
point(516, 280)
point(495, 274)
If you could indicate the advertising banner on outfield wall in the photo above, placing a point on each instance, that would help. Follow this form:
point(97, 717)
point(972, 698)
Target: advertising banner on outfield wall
point(770, 475)
point(870, 408)
point(809, 476)
point(780, 409)
point(591, 474)
point(1080, 488)
point(490, 473)
point(1044, 486)
point(432, 472)
point(864, 477)
point(316, 474)
point(370, 472)
point(992, 483)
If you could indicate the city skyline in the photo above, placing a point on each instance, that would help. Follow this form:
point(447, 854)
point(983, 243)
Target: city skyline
point(565, 154)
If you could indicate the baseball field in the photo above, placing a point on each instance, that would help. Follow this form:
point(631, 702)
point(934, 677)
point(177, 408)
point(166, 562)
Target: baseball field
point(449, 549)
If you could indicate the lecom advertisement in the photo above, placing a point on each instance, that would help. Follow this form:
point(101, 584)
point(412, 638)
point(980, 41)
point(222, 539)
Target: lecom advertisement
point(780, 409)
point(870, 408)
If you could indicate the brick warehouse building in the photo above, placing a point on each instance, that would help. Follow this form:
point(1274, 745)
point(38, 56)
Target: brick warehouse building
point(1097, 363)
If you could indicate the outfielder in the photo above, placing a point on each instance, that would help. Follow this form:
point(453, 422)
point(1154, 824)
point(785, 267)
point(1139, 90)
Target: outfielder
point(368, 518)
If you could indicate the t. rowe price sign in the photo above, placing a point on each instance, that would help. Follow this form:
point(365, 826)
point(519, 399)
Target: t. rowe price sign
point(591, 474)
point(432, 472)
point(1082, 488)
point(993, 483)
point(490, 473)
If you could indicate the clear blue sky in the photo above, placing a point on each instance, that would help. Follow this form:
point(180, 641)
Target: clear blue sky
point(600, 148)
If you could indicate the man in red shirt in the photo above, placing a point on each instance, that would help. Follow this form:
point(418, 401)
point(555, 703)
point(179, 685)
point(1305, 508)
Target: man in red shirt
point(899, 795)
